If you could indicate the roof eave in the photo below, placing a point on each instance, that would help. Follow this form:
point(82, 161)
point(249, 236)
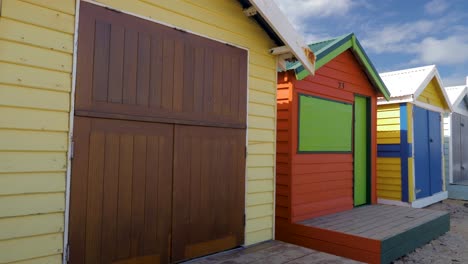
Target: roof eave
point(280, 25)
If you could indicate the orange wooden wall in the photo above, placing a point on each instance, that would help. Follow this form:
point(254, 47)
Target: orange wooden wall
point(311, 185)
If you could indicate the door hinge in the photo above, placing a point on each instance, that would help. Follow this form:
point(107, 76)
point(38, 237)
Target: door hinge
point(72, 150)
point(67, 253)
point(245, 152)
point(244, 220)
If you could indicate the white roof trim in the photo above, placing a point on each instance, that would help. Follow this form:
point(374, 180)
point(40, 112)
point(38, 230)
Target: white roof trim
point(432, 73)
point(280, 24)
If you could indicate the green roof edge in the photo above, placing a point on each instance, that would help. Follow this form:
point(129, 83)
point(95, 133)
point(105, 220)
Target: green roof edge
point(335, 48)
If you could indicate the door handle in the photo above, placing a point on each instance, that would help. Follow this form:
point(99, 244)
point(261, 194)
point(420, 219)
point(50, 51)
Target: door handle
point(430, 140)
point(462, 167)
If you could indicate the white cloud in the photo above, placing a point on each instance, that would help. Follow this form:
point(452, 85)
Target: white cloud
point(297, 10)
point(396, 37)
point(435, 7)
point(449, 51)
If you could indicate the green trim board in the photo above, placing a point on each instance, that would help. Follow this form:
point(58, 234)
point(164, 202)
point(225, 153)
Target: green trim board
point(327, 50)
point(324, 125)
point(361, 152)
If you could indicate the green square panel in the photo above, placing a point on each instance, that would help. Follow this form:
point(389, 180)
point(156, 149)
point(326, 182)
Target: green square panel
point(324, 125)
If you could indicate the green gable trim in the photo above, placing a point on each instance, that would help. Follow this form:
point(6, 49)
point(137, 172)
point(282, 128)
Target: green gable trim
point(327, 50)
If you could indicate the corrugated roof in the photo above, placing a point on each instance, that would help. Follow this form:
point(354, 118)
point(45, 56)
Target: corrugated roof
point(407, 82)
point(328, 49)
point(455, 92)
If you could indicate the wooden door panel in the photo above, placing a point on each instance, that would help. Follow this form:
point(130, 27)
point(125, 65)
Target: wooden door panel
point(457, 147)
point(130, 68)
point(435, 152)
point(121, 192)
point(464, 148)
point(421, 152)
point(209, 179)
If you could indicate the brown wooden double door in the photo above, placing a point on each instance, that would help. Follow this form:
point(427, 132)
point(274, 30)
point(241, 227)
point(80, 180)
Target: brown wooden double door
point(154, 193)
point(158, 173)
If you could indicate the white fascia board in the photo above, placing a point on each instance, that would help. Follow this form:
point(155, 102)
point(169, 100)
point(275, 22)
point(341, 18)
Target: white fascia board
point(396, 100)
point(280, 24)
point(441, 85)
point(424, 84)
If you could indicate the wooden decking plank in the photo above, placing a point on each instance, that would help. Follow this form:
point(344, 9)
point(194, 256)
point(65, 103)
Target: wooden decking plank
point(346, 218)
point(384, 224)
point(405, 226)
point(336, 216)
point(371, 220)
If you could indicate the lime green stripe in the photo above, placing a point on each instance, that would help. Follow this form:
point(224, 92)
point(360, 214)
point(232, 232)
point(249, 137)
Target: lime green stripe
point(360, 150)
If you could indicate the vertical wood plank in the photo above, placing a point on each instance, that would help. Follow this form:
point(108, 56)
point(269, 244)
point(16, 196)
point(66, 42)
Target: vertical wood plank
point(227, 82)
point(101, 61)
point(138, 196)
point(243, 87)
point(236, 89)
point(189, 66)
point(95, 197)
point(130, 67)
point(178, 75)
point(167, 74)
point(116, 65)
point(110, 193)
point(218, 85)
point(143, 70)
point(208, 84)
point(124, 215)
point(198, 80)
point(156, 72)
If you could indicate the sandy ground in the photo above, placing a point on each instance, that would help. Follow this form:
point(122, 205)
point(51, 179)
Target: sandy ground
point(449, 248)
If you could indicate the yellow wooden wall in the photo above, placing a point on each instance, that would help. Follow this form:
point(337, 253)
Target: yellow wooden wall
point(432, 94)
point(36, 47)
point(388, 169)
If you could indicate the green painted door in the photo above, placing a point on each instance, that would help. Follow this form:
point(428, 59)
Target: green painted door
point(361, 150)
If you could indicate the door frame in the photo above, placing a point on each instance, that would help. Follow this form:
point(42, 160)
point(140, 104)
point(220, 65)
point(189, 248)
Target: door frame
point(71, 116)
point(368, 149)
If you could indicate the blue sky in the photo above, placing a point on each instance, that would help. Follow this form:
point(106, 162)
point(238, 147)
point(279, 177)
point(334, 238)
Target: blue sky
point(396, 34)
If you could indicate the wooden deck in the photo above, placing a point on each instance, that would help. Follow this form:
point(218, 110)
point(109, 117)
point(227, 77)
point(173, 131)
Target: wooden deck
point(374, 233)
point(272, 252)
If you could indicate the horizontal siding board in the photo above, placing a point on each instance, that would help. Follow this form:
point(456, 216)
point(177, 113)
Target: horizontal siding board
point(259, 236)
point(260, 173)
point(259, 211)
point(261, 122)
point(259, 186)
point(23, 140)
point(52, 259)
point(261, 97)
point(39, 16)
point(259, 224)
point(34, 225)
point(261, 148)
point(261, 110)
point(33, 56)
point(19, 205)
point(35, 36)
point(20, 75)
point(30, 247)
point(16, 118)
point(64, 6)
point(266, 86)
point(260, 135)
point(17, 96)
point(259, 198)
point(32, 161)
point(22, 183)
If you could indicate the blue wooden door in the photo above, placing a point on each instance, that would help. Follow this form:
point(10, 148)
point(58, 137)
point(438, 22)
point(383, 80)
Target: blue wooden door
point(435, 154)
point(427, 152)
point(421, 152)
